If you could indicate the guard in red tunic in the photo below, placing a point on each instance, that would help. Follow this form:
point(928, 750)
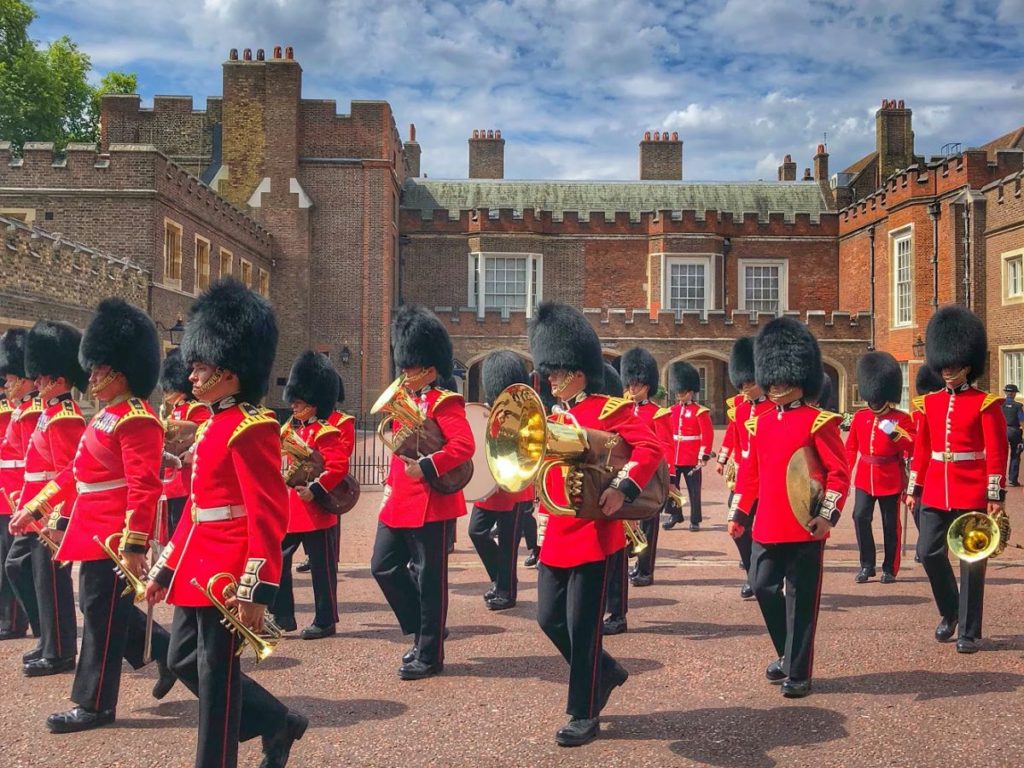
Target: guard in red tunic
point(798, 474)
point(51, 358)
point(112, 493)
point(415, 519)
point(574, 557)
point(238, 515)
point(502, 509)
point(312, 391)
point(958, 466)
point(880, 441)
point(693, 436)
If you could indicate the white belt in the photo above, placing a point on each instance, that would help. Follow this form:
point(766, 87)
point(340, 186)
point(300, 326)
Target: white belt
point(686, 438)
point(948, 456)
point(39, 477)
point(215, 514)
point(745, 454)
point(106, 485)
point(12, 464)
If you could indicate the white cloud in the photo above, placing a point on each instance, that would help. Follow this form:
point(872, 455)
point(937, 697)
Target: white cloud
point(694, 116)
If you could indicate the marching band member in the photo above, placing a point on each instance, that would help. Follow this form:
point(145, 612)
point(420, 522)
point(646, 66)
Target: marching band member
point(958, 466)
point(115, 488)
point(575, 553)
point(414, 518)
point(312, 391)
point(51, 358)
point(789, 533)
point(694, 437)
point(882, 436)
point(239, 512)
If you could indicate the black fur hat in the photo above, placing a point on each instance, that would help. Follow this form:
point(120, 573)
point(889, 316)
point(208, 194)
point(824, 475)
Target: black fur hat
point(787, 354)
point(174, 374)
point(12, 352)
point(826, 395)
point(502, 369)
point(956, 338)
point(561, 338)
point(879, 378)
point(741, 362)
point(419, 339)
point(612, 382)
point(341, 389)
point(928, 381)
point(233, 327)
point(447, 382)
point(682, 377)
point(51, 349)
point(638, 366)
point(125, 338)
point(313, 379)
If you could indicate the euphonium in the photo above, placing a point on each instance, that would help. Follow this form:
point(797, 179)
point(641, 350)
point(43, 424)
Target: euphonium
point(398, 406)
point(298, 450)
point(134, 583)
point(975, 536)
point(262, 644)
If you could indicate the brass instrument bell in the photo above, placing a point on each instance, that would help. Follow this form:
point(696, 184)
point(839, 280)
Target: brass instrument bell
point(134, 584)
point(975, 536)
point(262, 644)
point(398, 406)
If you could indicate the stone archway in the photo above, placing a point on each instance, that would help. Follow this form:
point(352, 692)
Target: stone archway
point(835, 371)
point(714, 372)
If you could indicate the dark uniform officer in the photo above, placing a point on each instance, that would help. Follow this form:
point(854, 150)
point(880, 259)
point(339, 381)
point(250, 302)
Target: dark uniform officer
point(1013, 412)
point(958, 465)
point(790, 529)
point(693, 436)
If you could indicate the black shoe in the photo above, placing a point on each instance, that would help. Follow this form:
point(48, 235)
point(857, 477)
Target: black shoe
point(671, 523)
point(303, 567)
point(746, 591)
point(945, 631)
point(796, 689)
point(1014, 484)
point(615, 625)
point(642, 580)
point(13, 634)
point(887, 578)
point(694, 526)
point(611, 681)
point(417, 670)
point(967, 645)
point(44, 667)
point(500, 603)
point(491, 593)
point(34, 655)
point(775, 671)
point(633, 571)
point(314, 632)
point(917, 558)
point(531, 559)
point(743, 567)
point(277, 747)
point(78, 719)
point(578, 732)
point(410, 656)
point(863, 575)
point(164, 682)
point(286, 625)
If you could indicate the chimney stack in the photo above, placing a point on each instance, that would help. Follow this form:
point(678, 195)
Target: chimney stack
point(787, 171)
point(661, 157)
point(894, 138)
point(486, 155)
point(821, 176)
point(412, 151)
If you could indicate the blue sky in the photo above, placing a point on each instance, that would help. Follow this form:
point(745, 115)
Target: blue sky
point(573, 84)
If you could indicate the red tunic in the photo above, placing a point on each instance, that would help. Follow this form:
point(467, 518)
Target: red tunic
point(692, 433)
point(335, 444)
point(178, 481)
point(658, 419)
point(960, 450)
point(239, 510)
point(729, 439)
point(775, 436)
point(410, 502)
point(51, 450)
point(882, 456)
point(746, 415)
point(572, 541)
point(13, 444)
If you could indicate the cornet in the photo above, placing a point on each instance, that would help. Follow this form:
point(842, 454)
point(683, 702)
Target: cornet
point(262, 644)
point(134, 583)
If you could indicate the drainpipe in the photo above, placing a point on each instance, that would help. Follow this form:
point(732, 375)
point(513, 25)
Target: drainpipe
point(726, 247)
point(933, 211)
point(871, 240)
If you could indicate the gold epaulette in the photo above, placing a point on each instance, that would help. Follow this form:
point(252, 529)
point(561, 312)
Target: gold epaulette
point(730, 413)
point(702, 409)
point(445, 396)
point(733, 401)
point(325, 429)
point(137, 410)
point(344, 417)
point(918, 403)
point(5, 406)
point(191, 407)
point(67, 411)
point(663, 412)
point(751, 425)
point(902, 432)
point(254, 416)
point(612, 405)
point(823, 418)
point(989, 399)
point(36, 406)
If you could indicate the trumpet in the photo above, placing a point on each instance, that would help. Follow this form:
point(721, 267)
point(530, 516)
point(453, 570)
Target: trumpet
point(262, 644)
point(976, 536)
point(133, 582)
point(39, 530)
point(635, 537)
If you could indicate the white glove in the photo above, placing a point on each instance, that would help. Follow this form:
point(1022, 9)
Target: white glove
point(887, 426)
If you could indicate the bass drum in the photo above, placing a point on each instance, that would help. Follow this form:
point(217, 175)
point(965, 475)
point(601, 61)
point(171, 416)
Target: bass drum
point(482, 484)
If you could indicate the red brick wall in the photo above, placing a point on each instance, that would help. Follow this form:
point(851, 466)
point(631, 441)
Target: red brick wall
point(1005, 233)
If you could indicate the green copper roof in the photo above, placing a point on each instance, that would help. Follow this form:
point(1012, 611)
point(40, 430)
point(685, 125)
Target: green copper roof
point(634, 197)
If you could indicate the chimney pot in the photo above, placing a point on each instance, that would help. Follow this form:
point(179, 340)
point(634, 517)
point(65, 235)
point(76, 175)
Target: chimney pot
point(807, 175)
point(476, 133)
point(247, 54)
point(233, 54)
point(277, 51)
point(490, 133)
point(497, 134)
point(900, 104)
point(289, 53)
point(412, 131)
point(260, 55)
point(647, 135)
point(675, 135)
point(788, 159)
point(821, 149)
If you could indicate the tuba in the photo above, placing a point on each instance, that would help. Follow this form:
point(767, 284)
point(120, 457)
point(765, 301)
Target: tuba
point(262, 644)
point(306, 465)
point(134, 583)
point(975, 536)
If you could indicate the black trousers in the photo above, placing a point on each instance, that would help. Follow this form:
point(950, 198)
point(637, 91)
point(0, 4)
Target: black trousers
point(965, 603)
point(174, 509)
point(112, 629)
point(570, 610)
point(1013, 436)
point(323, 569)
point(892, 534)
point(13, 616)
point(232, 706)
point(746, 539)
point(529, 525)
point(617, 584)
point(693, 485)
point(791, 618)
point(53, 593)
point(420, 601)
point(645, 560)
point(499, 558)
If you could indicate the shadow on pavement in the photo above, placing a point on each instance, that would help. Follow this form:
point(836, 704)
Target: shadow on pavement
point(393, 633)
point(844, 602)
point(693, 630)
point(648, 602)
point(550, 669)
point(924, 685)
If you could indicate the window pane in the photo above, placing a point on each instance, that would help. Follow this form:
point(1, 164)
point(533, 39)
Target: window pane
point(687, 286)
point(762, 286)
point(905, 392)
point(902, 270)
point(1013, 368)
point(505, 282)
point(1015, 276)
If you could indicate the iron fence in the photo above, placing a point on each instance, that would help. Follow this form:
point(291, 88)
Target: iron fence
point(370, 457)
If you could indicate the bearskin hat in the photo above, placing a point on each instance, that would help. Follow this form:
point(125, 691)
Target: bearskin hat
point(561, 338)
point(683, 377)
point(544, 390)
point(12, 353)
point(313, 379)
point(502, 369)
point(826, 395)
point(638, 366)
point(233, 327)
point(447, 382)
point(418, 339)
point(51, 349)
point(787, 354)
point(741, 362)
point(341, 388)
point(879, 378)
point(125, 338)
point(174, 374)
point(928, 381)
point(612, 382)
point(956, 338)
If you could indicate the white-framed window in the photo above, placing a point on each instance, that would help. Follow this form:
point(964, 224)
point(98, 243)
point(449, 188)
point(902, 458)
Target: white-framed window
point(512, 281)
point(172, 253)
point(764, 285)
point(264, 285)
point(227, 263)
point(1013, 277)
point(701, 394)
point(905, 392)
point(1013, 367)
point(246, 273)
point(202, 264)
point(688, 283)
point(902, 278)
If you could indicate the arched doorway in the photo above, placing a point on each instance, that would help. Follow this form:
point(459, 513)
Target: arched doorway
point(713, 368)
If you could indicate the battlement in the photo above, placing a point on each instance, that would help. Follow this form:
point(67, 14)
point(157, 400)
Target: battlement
point(19, 236)
point(1008, 186)
point(367, 131)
